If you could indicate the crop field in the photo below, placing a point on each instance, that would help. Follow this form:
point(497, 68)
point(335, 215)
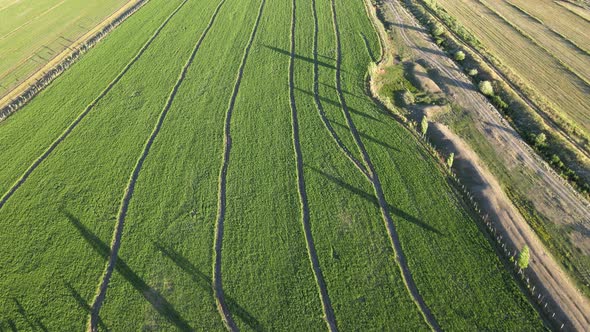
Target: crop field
point(34, 31)
point(550, 57)
point(219, 164)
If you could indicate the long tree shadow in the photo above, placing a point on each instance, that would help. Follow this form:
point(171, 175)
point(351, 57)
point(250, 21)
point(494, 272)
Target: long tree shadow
point(369, 137)
point(300, 57)
point(83, 304)
point(34, 323)
point(337, 104)
point(204, 281)
point(158, 302)
point(373, 200)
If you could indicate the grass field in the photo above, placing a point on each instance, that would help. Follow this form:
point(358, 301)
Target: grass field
point(545, 61)
point(198, 114)
point(34, 31)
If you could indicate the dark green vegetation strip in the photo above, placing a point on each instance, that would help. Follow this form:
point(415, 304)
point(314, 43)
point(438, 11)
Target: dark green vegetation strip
point(57, 227)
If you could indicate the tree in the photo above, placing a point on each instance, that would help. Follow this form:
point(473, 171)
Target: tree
point(523, 257)
point(486, 88)
point(540, 140)
point(424, 125)
point(437, 29)
point(450, 159)
point(459, 56)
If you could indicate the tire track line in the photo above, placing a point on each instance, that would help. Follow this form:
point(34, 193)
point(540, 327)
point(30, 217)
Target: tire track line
point(311, 251)
point(82, 115)
point(222, 199)
point(376, 183)
point(318, 102)
point(118, 233)
point(31, 20)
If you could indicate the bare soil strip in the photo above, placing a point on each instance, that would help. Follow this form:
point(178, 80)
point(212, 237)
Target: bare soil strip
point(221, 200)
point(87, 110)
point(311, 251)
point(557, 289)
point(118, 234)
point(376, 183)
point(318, 102)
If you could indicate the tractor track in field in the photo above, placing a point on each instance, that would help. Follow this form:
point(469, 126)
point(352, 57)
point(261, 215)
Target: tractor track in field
point(570, 304)
point(82, 115)
point(118, 232)
point(311, 251)
point(222, 199)
point(373, 178)
point(317, 99)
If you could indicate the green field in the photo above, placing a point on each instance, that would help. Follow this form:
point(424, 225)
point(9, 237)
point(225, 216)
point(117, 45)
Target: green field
point(32, 32)
point(136, 134)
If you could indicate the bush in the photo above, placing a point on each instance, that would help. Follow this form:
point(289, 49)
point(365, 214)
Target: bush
point(499, 103)
point(459, 56)
point(540, 140)
point(408, 98)
point(523, 257)
point(450, 159)
point(437, 29)
point(486, 88)
point(472, 72)
point(424, 125)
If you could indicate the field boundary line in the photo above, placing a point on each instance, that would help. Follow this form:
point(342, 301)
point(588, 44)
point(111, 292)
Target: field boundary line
point(221, 198)
point(378, 190)
point(318, 102)
point(304, 204)
point(127, 196)
point(25, 91)
point(82, 115)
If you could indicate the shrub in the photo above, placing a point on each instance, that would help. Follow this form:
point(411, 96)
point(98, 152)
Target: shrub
point(472, 72)
point(499, 103)
point(540, 140)
point(486, 88)
point(408, 98)
point(450, 159)
point(424, 125)
point(437, 29)
point(523, 257)
point(459, 56)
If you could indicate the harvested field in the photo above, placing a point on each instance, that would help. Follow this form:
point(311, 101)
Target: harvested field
point(32, 33)
point(541, 70)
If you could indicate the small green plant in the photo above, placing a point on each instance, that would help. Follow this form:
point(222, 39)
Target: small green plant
point(408, 98)
point(472, 72)
point(437, 29)
point(459, 55)
point(450, 159)
point(486, 88)
point(540, 140)
point(424, 125)
point(523, 257)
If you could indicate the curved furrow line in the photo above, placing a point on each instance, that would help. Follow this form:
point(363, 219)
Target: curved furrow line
point(118, 232)
point(221, 199)
point(311, 251)
point(87, 110)
point(318, 102)
point(376, 183)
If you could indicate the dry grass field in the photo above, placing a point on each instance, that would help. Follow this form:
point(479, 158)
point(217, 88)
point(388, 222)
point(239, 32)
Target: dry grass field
point(545, 61)
point(33, 32)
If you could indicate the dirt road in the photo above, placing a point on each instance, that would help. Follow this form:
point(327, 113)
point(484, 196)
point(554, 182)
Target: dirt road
point(551, 195)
